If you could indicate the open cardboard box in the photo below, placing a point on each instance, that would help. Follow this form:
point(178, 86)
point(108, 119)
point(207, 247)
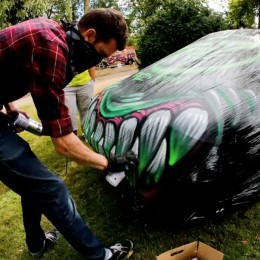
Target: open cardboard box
point(192, 250)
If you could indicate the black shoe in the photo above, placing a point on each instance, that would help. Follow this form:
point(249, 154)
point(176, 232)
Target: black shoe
point(121, 251)
point(50, 240)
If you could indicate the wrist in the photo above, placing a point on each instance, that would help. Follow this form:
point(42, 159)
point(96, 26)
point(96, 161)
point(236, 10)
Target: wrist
point(106, 165)
point(10, 107)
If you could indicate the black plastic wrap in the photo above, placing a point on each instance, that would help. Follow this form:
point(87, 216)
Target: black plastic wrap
point(193, 120)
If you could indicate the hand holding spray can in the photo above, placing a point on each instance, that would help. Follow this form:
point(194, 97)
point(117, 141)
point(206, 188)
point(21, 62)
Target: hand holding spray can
point(28, 124)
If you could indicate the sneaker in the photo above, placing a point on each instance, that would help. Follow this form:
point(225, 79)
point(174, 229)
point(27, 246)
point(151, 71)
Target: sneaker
point(121, 251)
point(50, 240)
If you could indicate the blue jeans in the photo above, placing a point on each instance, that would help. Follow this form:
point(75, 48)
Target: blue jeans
point(42, 192)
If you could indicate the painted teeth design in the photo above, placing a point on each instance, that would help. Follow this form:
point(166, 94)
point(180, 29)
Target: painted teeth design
point(91, 109)
point(153, 149)
point(136, 146)
point(113, 151)
point(92, 122)
point(125, 136)
point(187, 128)
point(109, 137)
point(152, 133)
point(157, 165)
point(191, 123)
point(98, 133)
point(100, 146)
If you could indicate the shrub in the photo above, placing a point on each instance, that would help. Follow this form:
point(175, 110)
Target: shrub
point(175, 25)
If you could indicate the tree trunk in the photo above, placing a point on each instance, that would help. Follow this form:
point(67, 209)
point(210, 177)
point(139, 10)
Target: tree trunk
point(258, 26)
point(86, 6)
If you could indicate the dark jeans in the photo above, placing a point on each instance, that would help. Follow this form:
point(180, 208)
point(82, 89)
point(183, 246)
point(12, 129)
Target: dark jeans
point(43, 193)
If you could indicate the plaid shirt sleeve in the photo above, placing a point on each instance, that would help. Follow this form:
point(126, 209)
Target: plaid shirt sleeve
point(49, 67)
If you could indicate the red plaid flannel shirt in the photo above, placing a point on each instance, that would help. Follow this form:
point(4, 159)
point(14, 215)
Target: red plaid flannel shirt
point(33, 58)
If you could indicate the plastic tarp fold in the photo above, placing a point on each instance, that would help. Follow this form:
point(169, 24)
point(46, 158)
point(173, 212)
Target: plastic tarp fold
point(193, 120)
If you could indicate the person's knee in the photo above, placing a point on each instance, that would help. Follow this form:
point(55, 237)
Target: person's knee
point(59, 189)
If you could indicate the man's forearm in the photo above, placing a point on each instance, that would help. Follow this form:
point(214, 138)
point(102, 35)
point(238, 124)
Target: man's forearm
point(71, 147)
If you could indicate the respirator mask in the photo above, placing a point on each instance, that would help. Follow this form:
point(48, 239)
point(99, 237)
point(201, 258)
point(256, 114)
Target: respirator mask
point(82, 54)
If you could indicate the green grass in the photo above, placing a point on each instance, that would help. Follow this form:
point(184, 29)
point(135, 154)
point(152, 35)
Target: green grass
point(237, 235)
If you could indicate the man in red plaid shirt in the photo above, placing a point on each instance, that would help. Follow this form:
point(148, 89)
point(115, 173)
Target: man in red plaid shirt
point(44, 56)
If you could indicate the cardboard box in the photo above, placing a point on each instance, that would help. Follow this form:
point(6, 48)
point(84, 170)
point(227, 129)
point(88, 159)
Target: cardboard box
point(192, 250)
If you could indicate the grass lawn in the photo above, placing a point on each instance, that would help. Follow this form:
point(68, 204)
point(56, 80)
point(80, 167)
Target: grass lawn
point(237, 235)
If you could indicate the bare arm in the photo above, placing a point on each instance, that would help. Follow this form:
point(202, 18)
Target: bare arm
point(71, 147)
point(92, 73)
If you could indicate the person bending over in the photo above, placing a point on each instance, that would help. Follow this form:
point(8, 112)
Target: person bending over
point(45, 56)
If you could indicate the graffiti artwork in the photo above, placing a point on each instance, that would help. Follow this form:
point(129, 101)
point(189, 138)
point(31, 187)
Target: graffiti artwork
point(193, 120)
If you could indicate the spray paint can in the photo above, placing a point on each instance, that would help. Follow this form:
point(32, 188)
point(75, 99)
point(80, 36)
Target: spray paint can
point(28, 124)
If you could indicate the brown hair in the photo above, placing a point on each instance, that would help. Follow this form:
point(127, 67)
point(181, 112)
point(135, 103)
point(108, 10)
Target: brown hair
point(108, 23)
